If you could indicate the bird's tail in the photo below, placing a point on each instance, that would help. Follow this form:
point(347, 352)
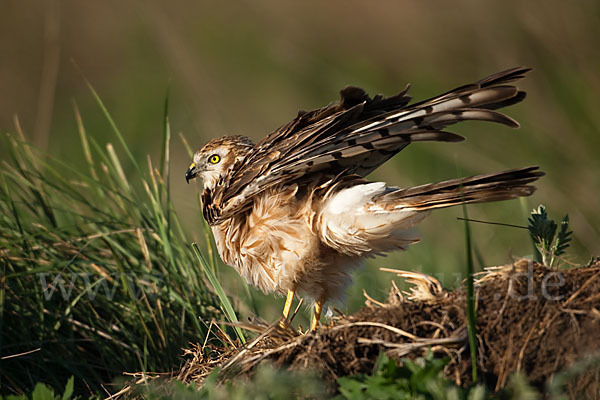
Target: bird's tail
point(372, 218)
point(474, 189)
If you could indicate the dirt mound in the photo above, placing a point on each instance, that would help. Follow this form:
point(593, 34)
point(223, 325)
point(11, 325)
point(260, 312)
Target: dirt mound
point(529, 318)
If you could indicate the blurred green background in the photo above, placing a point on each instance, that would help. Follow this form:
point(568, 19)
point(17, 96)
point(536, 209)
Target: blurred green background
point(248, 67)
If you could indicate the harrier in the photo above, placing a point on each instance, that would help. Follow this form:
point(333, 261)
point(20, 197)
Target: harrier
point(294, 211)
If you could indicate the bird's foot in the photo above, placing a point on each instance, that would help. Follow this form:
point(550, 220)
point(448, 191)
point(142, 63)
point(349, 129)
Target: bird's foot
point(284, 323)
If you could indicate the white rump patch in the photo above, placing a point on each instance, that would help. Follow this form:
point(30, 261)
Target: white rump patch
point(349, 223)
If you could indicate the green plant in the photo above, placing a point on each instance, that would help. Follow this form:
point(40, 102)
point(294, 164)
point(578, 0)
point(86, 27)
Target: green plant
point(43, 392)
point(548, 243)
point(419, 379)
point(423, 379)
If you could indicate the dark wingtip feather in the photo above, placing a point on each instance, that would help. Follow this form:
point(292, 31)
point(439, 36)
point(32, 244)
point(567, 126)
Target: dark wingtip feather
point(508, 75)
point(352, 95)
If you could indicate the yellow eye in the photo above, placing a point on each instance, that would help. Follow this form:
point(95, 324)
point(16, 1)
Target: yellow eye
point(214, 159)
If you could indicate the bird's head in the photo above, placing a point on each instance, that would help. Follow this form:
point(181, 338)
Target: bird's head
point(216, 157)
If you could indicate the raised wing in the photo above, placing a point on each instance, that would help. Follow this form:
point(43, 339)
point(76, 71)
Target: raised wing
point(356, 135)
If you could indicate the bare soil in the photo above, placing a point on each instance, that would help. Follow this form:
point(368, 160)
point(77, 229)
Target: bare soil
point(530, 319)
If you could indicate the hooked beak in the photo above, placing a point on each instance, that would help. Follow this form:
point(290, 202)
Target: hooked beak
point(191, 173)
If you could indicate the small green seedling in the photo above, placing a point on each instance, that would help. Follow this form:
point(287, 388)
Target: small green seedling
point(548, 243)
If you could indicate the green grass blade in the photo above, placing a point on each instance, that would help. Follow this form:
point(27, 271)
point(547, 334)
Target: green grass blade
point(165, 161)
point(114, 127)
point(164, 157)
point(188, 149)
point(229, 312)
point(471, 314)
point(84, 141)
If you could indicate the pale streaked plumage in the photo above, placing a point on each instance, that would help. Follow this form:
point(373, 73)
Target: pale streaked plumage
point(294, 212)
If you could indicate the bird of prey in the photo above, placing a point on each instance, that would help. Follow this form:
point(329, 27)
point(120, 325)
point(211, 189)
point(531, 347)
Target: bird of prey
point(294, 212)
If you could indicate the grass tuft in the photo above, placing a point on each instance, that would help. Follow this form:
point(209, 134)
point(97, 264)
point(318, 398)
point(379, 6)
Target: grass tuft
point(98, 276)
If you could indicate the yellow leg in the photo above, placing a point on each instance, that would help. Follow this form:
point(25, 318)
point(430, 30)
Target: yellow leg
point(287, 308)
point(317, 316)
